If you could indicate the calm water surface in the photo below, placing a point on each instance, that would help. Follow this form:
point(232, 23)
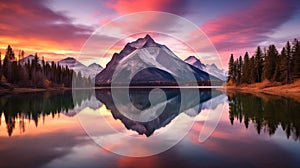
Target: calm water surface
point(45, 130)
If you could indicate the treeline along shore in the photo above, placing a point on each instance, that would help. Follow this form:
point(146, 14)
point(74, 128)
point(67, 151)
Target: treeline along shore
point(268, 70)
point(35, 74)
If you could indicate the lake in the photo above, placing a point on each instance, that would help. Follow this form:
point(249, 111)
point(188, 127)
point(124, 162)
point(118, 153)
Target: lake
point(154, 129)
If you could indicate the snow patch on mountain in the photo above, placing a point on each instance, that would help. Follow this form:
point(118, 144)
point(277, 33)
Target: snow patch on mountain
point(210, 69)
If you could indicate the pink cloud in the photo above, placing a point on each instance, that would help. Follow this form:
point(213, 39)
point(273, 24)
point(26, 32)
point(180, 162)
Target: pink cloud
point(130, 6)
point(246, 28)
point(32, 24)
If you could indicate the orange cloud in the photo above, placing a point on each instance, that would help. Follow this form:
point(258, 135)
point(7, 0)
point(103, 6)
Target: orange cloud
point(34, 27)
point(130, 6)
point(52, 51)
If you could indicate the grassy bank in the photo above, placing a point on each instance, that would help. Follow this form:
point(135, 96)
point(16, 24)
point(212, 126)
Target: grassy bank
point(275, 88)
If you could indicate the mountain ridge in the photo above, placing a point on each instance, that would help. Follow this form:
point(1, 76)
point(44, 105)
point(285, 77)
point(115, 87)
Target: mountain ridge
point(211, 69)
point(145, 52)
point(87, 71)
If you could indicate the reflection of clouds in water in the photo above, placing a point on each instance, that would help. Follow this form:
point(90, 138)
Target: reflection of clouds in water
point(41, 145)
point(210, 105)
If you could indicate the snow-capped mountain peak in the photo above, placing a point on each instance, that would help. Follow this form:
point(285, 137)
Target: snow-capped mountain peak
point(69, 59)
point(192, 60)
point(145, 52)
point(70, 62)
point(147, 41)
point(94, 65)
point(210, 69)
point(29, 58)
point(214, 66)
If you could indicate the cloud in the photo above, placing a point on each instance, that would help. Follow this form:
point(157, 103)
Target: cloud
point(248, 27)
point(32, 24)
point(129, 6)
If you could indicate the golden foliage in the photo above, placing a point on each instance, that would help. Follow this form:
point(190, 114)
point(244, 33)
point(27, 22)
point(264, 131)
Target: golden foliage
point(47, 83)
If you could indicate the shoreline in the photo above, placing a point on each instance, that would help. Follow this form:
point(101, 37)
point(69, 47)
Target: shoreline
point(272, 88)
point(30, 90)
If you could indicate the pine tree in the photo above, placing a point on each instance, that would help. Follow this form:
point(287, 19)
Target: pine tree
point(231, 68)
point(29, 69)
point(271, 59)
point(296, 60)
point(288, 61)
point(239, 70)
point(35, 62)
point(246, 69)
point(258, 64)
point(22, 54)
point(282, 66)
point(15, 72)
point(253, 71)
point(52, 71)
point(276, 75)
point(9, 57)
point(235, 71)
point(59, 73)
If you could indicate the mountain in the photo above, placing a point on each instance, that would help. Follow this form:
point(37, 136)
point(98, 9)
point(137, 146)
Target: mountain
point(92, 70)
point(29, 58)
point(86, 71)
point(164, 65)
point(71, 63)
point(214, 70)
point(210, 69)
point(192, 60)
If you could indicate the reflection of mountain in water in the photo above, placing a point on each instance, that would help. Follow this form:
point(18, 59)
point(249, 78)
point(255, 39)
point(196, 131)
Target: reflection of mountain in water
point(140, 99)
point(33, 106)
point(266, 112)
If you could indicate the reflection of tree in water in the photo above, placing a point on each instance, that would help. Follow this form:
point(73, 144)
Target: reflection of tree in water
point(266, 112)
point(18, 108)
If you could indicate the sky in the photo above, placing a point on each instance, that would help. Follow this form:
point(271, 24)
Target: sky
point(56, 29)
